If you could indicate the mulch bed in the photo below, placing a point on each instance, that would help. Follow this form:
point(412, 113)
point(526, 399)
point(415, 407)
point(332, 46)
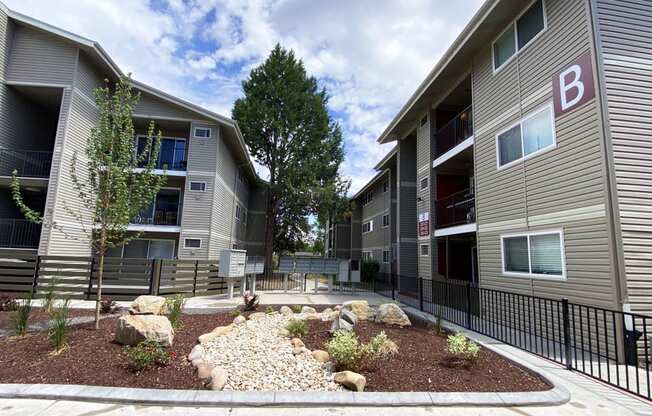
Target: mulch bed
point(422, 363)
point(94, 359)
point(39, 316)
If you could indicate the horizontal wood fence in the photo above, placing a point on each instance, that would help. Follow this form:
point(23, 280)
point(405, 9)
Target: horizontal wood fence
point(28, 274)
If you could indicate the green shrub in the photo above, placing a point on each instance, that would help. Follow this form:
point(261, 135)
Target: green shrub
point(20, 317)
point(235, 312)
point(269, 310)
point(382, 346)
point(147, 354)
point(174, 308)
point(57, 327)
point(369, 270)
point(460, 347)
point(346, 350)
point(50, 296)
point(296, 327)
point(296, 308)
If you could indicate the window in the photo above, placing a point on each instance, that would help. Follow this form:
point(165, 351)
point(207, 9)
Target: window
point(172, 154)
point(530, 136)
point(425, 249)
point(198, 186)
point(424, 184)
point(385, 186)
point(238, 212)
point(145, 249)
point(519, 34)
point(367, 255)
point(537, 254)
point(192, 243)
point(367, 227)
point(386, 220)
point(386, 256)
point(202, 133)
point(367, 198)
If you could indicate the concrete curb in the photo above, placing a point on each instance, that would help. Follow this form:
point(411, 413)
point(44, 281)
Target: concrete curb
point(159, 397)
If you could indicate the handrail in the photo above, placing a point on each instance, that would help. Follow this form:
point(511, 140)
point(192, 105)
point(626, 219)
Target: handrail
point(27, 163)
point(457, 208)
point(160, 217)
point(454, 132)
point(19, 233)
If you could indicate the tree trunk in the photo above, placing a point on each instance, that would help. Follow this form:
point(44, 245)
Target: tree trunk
point(269, 235)
point(100, 273)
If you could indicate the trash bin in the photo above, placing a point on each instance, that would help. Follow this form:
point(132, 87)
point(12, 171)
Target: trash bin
point(631, 353)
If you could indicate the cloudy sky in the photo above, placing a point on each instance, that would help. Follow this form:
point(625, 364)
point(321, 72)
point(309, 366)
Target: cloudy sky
point(369, 54)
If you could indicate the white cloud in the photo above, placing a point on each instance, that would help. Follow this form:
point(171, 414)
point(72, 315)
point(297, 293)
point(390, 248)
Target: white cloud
point(370, 55)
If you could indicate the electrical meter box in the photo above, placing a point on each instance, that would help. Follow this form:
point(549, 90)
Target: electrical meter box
point(232, 263)
point(343, 275)
point(355, 271)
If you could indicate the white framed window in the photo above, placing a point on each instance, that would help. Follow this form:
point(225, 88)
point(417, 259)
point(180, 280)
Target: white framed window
point(145, 249)
point(423, 184)
point(519, 34)
point(538, 254)
point(387, 258)
point(367, 227)
point(238, 212)
point(530, 136)
point(367, 198)
point(202, 132)
point(192, 243)
point(197, 186)
point(424, 250)
point(386, 220)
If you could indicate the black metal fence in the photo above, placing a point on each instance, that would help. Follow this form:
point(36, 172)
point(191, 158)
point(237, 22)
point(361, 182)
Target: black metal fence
point(605, 344)
point(19, 233)
point(454, 132)
point(458, 208)
point(27, 163)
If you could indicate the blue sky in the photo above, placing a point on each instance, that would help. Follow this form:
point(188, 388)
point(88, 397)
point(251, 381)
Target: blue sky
point(369, 54)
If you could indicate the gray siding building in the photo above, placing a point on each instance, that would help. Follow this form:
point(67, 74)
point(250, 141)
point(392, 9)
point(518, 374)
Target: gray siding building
point(47, 108)
point(523, 159)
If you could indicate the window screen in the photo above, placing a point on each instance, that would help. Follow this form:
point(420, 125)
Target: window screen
point(192, 243)
point(545, 254)
point(516, 254)
point(530, 24)
point(509, 146)
point(504, 47)
point(537, 132)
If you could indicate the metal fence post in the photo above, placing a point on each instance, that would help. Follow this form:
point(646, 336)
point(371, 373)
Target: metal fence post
point(420, 286)
point(392, 282)
point(567, 339)
point(90, 279)
point(37, 266)
point(155, 278)
point(194, 282)
point(468, 305)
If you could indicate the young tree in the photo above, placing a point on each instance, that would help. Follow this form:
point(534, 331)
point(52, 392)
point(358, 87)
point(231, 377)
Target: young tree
point(114, 184)
point(287, 127)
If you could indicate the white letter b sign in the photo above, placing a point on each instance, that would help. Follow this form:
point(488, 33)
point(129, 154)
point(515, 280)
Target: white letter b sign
point(573, 86)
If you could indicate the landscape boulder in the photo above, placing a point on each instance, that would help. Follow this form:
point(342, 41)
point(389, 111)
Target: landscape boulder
point(308, 310)
point(392, 314)
point(196, 353)
point(148, 305)
point(360, 308)
point(286, 311)
point(204, 371)
point(239, 320)
point(296, 342)
point(218, 378)
point(340, 324)
point(216, 333)
point(132, 329)
point(321, 356)
point(350, 380)
point(257, 315)
point(348, 316)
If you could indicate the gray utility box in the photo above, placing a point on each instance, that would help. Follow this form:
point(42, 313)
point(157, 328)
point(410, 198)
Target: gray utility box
point(355, 271)
point(232, 263)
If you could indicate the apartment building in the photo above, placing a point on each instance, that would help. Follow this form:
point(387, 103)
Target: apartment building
point(523, 159)
point(211, 200)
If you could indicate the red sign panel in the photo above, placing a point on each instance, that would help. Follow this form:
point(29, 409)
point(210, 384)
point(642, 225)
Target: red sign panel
point(424, 228)
point(573, 85)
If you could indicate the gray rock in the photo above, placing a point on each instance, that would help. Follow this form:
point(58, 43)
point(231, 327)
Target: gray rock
point(286, 311)
point(132, 329)
point(350, 380)
point(348, 316)
point(148, 305)
point(308, 310)
point(340, 324)
point(392, 314)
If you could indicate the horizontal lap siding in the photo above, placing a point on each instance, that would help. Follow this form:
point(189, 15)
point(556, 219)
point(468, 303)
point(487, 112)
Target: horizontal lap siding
point(424, 170)
point(625, 33)
point(37, 57)
point(407, 207)
point(537, 194)
point(256, 221)
point(380, 238)
point(158, 108)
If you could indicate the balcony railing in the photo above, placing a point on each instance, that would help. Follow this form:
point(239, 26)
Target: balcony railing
point(456, 209)
point(160, 217)
point(28, 163)
point(454, 132)
point(17, 233)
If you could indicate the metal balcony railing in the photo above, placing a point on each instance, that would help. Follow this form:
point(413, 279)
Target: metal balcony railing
point(160, 217)
point(28, 163)
point(455, 209)
point(454, 132)
point(18, 233)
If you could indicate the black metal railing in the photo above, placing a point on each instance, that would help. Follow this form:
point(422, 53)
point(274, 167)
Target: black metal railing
point(27, 163)
point(19, 233)
point(454, 132)
point(160, 217)
point(605, 344)
point(166, 164)
point(455, 209)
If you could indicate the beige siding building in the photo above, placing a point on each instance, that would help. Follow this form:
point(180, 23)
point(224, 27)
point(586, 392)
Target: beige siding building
point(47, 108)
point(523, 159)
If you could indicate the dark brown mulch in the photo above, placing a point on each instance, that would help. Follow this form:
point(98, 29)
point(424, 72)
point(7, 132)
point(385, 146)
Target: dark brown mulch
point(94, 359)
point(422, 363)
point(38, 316)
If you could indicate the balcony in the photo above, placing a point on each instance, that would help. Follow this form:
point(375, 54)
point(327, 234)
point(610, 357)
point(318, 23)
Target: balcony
point(162, 215)
point(28, 163)
point(455, 209)
point(18, 233)
point(172, 156)
point(454, 132)
point(158, 217)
